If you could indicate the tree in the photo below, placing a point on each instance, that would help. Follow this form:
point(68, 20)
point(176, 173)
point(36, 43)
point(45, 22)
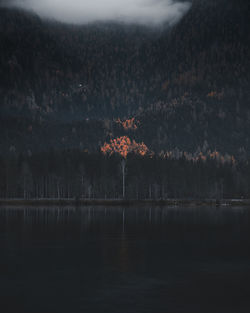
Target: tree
point(123, 145)
point(26, 180)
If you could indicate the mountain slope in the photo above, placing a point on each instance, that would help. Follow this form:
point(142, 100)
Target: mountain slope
point(189, 86)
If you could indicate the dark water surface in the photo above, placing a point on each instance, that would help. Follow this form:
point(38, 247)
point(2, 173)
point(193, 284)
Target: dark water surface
point(129, 260)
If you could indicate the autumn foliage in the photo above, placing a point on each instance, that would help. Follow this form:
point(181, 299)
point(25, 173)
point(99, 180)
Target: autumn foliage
point(123, 145)
point(129, 124)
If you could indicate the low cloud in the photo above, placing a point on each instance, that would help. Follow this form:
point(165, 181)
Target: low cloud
point(152, 12)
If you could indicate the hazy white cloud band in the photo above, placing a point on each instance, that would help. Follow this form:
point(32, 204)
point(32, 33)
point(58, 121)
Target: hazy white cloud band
point(87, 11)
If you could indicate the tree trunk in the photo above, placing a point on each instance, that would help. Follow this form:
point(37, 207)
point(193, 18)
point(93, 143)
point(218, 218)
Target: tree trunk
point(123, 178)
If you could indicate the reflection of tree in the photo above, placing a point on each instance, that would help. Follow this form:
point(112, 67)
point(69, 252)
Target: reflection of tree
point(123, 145)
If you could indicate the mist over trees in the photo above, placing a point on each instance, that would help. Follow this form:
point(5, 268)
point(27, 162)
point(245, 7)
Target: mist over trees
point(130, 11)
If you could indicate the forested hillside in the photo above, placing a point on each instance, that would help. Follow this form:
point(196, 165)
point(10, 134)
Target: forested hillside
point(187, 87)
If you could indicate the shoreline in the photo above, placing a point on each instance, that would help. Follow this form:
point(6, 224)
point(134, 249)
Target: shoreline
point(127, 202)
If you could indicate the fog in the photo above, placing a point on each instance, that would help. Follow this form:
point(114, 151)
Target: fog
point(150, 12)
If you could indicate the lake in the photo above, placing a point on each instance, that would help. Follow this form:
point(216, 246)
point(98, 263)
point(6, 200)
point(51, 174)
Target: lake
point(125, 260)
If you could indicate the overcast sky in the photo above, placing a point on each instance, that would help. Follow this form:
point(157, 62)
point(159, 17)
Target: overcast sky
point(87, 11)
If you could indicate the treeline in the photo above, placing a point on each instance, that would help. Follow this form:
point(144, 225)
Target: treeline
point(77, 174)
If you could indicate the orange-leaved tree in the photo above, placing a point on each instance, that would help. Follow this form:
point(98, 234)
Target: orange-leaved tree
point(130, 124)
point(123, 145)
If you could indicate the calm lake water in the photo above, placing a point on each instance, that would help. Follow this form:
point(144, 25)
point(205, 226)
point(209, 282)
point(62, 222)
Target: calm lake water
point(124, 260)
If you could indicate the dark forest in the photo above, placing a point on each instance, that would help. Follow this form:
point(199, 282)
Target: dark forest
point(182, 91)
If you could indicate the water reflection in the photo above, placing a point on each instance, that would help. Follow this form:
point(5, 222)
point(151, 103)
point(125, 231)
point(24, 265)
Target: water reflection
point(115, 259)
point(156, 215)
